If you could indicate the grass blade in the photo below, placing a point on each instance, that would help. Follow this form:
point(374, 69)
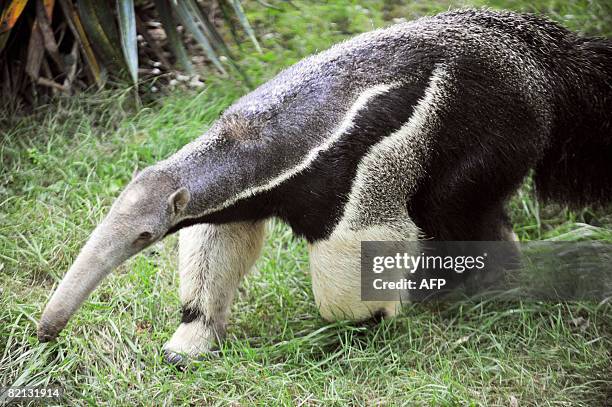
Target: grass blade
point(127, 29)
point(245, 23)
point(172, 35)
point(191, 24)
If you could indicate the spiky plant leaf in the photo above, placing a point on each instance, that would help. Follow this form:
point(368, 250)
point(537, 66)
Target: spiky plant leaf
point(11, 13)
point(3, 39)
point(129, 42)
point(101, 30)
point(74, 23)
point(103, 37)
point(191, 23)
point(8, 18)
point(44, 14)
point(108, 19)
point(227, 17)
point(36, 52)
point(48, 6)
point(172, 35)
point(208, 28)
point(244, 21)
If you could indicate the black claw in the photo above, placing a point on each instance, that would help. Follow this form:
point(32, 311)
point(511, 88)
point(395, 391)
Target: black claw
point(181, 361)
point(174, 358)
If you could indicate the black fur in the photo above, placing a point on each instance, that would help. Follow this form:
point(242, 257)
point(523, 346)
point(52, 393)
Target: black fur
point(191, 314)
point(577, 167)
point(482, 152)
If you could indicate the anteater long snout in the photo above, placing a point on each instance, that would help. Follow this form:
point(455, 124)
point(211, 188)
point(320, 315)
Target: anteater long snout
point(82, 278)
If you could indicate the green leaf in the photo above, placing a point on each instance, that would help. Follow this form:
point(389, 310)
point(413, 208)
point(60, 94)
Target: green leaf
point(107, 19)
point(127, 29)
point(227, 17)
point(172, 35)
point(245, 23)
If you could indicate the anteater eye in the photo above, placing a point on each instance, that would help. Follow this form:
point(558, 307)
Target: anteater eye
point(144, 236)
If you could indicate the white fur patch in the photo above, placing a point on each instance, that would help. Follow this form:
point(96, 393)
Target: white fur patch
point(212, 261)
point(388, 174)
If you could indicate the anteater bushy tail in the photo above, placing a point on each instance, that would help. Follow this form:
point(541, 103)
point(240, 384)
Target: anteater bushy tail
point(577, 167)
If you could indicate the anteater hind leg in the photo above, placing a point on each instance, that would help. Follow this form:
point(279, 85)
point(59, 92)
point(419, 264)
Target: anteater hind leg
point(212, 261)
point(490, 226)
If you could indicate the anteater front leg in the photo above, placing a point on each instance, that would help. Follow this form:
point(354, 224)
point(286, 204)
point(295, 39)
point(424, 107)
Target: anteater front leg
point(212, 261)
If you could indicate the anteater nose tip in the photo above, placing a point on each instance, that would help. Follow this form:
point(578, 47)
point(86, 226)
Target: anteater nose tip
point(44, 334)
point(44, 337)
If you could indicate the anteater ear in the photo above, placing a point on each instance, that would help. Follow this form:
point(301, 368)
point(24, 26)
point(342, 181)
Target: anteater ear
point(179, 199)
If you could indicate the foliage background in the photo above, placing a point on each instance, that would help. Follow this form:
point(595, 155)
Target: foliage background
point(49, 46)
point(63, 164)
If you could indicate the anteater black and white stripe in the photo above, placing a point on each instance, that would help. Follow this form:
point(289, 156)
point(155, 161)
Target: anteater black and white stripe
point(420, 130)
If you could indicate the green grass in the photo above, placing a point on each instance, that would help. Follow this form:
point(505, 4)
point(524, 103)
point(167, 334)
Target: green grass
point(63, 165)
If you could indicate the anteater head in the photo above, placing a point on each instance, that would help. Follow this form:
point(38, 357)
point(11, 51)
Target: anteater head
point(143, 213)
